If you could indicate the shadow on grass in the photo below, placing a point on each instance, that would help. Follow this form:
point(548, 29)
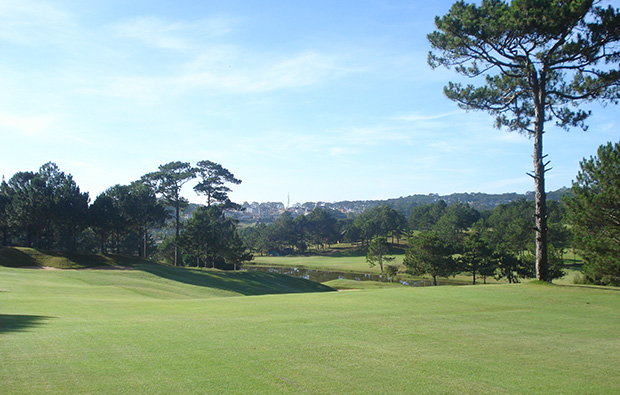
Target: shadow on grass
point(102, 260)
point(242, 282)
point(599, 287)
point(20, 323)
point(31, 257)
point(574, 266)
point(12, 257)
point(345, 253)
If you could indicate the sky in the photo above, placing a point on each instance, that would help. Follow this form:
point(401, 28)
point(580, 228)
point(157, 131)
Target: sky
point(302, 101)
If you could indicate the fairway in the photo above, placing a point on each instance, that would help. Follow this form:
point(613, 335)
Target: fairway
point(319, 262)
point(96, 331)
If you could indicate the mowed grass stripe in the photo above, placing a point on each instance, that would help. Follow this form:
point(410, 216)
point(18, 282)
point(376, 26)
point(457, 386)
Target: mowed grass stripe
point(486, 339)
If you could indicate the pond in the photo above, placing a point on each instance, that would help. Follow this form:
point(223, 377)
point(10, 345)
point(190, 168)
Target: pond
point(321, 276)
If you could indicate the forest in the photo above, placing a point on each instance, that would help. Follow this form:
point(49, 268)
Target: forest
point(148, 218)
point(47, 210)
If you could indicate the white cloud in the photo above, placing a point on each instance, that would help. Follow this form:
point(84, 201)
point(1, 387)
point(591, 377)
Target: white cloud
point(137, 89)
point(31, 22)
point(373, 135)
point(239, 71)
point(259, 76)
point(30, 126)
point(417, 117)
point(177, 35)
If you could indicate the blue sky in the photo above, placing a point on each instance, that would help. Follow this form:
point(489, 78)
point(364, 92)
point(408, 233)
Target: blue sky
point(321, 100)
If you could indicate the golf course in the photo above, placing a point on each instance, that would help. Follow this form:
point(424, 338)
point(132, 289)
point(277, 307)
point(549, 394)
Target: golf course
point(144, 328)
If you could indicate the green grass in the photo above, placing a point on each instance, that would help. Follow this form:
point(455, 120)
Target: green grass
point(30, 257)
point(137, 332)
point(322, 262)
point(337, 260)
point(354, 284)
point(352, 264)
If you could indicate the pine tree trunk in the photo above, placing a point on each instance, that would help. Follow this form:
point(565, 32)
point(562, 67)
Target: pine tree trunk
point(540, 216)
point(176, 235)
point(145, 240)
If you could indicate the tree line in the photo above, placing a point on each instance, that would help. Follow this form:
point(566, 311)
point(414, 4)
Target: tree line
point(47, 210)
point(494, 242)
point(443, 239)
point(321, 228)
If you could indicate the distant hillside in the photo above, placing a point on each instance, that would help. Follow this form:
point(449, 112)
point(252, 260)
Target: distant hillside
point(480, 201)
point(269, 211)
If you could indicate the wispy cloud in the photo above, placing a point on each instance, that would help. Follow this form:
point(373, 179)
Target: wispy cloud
point(243, 72)
point(173, 35)
point(418, 117)
point(372, 135)
point(30, 126)
point(256, 76)
point(31, 22)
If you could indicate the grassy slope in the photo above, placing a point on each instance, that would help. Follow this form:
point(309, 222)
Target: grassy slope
point(125, 332)
point(146, 278)
point(21, 256)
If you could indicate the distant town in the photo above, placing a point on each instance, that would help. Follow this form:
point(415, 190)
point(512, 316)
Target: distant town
point(267, 212)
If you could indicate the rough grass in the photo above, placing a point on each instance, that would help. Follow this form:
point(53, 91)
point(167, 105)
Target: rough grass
point(97, 331)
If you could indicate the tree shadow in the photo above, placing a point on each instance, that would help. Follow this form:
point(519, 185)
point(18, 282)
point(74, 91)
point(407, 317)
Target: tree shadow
point(20, 323)
point(12, 257)
point(242, 282)
point(598, 287)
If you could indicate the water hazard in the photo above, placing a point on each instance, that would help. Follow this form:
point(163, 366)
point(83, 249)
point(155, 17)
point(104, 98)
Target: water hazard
point(321, 276)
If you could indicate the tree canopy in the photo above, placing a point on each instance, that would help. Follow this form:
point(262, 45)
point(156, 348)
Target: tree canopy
point(594, 212)
point(213, 176)
point(167, 182)
point(43, 209)
point(539, 60)
point(428, 253)
point(378, 251)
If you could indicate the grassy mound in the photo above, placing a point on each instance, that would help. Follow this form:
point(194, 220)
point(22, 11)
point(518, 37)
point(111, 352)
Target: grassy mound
point(30, 257)
point(147, 278)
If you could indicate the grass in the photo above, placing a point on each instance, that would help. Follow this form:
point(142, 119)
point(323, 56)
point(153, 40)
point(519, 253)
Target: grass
point(30, 257)
point(321, 262)
point(351, 264)
point(342, 284)
point(141, 331)
point(337, 259)
point(148, 279)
